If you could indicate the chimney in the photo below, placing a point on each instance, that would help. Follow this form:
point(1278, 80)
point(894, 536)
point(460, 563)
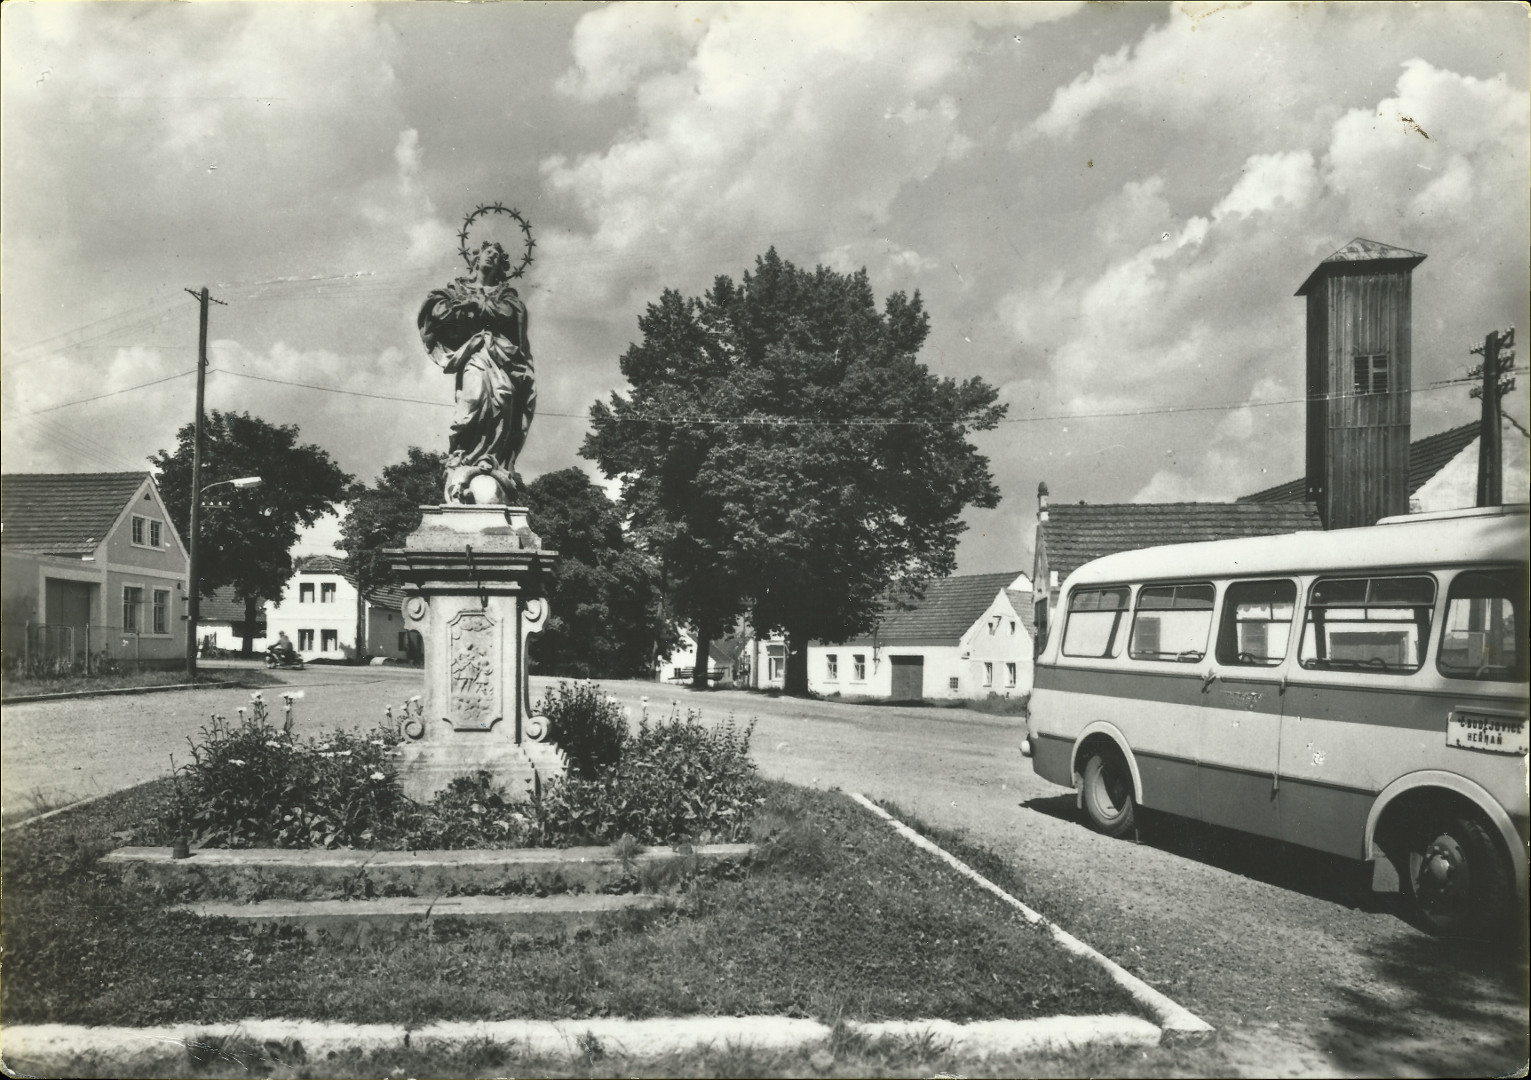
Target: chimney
point(1042, 501)
point(1358, 354)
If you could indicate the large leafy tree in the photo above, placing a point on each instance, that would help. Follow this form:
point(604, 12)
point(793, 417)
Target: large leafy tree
point(607, 616)
point(786, 455)
point(248, 535)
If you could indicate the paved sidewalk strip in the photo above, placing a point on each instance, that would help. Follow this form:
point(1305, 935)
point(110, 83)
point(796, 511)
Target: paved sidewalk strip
point(1177, 1021)
point(569, 1038)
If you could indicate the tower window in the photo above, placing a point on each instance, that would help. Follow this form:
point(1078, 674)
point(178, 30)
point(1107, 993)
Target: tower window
point(1371, 373)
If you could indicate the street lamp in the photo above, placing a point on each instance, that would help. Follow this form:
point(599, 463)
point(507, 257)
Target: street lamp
point(194, 570)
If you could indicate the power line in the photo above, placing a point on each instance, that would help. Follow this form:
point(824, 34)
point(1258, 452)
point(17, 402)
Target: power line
point(111, 393)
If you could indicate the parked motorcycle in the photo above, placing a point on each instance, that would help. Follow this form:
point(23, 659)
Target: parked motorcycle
point(275, 658)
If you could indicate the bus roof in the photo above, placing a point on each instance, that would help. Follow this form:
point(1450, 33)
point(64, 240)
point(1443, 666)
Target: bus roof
point(1492, 534)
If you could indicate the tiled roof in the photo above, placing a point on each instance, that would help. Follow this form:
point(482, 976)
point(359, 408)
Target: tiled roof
point(384, 596)
point(1076, 534)
point(949, 607)
point(1427, 457)
point(1025, 606)
point(67, 513)
point(1362, 250)
point(224, 606)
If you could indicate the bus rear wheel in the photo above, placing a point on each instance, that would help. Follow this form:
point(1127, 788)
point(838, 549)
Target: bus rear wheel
point(1107, 791)
point(1456, 878)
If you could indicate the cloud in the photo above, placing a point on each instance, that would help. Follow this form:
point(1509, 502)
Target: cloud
point(1187, 311)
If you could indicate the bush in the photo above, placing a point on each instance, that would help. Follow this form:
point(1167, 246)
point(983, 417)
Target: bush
point(677, 781)
point(249, 784)
point(587, 725)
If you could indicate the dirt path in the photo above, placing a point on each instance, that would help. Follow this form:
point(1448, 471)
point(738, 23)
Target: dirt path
point(1302, 973)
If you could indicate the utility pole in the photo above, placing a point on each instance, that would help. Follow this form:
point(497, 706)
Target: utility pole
point(193, 597)
point(1498, 354)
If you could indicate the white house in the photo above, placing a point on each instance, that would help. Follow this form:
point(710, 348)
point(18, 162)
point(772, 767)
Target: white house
point(968, 637)
point(321, 610)
point(723, 665)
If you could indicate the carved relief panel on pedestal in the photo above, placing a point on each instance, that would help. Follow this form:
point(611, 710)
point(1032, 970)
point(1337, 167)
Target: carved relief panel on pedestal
point(473, 676)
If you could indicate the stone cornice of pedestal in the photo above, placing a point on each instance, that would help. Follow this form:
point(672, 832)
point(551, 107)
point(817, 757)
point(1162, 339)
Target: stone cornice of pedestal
point(489, 548)
point(490, 571)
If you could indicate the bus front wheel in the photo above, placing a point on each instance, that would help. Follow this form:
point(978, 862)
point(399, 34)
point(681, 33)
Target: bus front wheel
point(1107, 790)
point(1455, 876)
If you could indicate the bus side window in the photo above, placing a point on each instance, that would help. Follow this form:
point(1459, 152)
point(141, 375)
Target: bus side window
point(1484, 630)
point(1172, 622)
point(1371, 624)
point(1257, 623)
point(1095, 622)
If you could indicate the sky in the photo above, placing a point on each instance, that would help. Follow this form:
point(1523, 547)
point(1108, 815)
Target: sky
point(1107, 209)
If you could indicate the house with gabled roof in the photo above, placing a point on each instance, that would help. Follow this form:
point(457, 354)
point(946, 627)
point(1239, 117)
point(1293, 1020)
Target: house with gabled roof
point(323, 613)
point(967, 636)
point(92, 567)
point(221, 620)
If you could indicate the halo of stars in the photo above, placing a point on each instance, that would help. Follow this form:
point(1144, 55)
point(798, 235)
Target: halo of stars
point(498, 208)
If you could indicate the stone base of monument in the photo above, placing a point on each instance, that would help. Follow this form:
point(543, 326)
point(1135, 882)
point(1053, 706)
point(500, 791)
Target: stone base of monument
point(475, 580)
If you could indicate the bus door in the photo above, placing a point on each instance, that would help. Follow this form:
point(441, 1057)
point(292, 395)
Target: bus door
point(1360, 720)
point(1244, 697)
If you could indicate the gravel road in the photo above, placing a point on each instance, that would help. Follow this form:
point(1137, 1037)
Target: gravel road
point(1303, 972)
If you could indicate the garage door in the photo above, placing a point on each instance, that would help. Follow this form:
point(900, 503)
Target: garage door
point(908, 677)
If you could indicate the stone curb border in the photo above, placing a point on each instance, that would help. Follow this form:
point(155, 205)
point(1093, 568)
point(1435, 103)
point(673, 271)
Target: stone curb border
point(126, 690)
point(1179, 1023)
point(59, 1043)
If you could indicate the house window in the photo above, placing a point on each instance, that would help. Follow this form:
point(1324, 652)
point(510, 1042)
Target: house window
point(1010, 675)
point(831, 666)
point(993, 625)
point(952, 683)
point(306, 640)
point(859, 666)
point(988, 673)
point(1012, 628)
point(162, 611)
point(775, 666)
point(132, 600)
point(306, 592)
point(327, 593)
point(329, 640)
point(146, 532)
point(1371, 373)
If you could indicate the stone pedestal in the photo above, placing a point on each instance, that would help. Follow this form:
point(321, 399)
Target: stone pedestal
point(475, 582)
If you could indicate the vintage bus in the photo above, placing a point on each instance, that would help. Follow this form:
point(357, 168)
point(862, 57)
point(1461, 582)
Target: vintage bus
point(1361, 692)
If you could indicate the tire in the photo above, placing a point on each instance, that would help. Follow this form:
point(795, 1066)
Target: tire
point(270, 661)
point(1107, 792)
point(1455, 877)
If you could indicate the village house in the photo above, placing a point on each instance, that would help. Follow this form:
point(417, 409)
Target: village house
point(221, 623)
point(322, 611)
point(92, 569)
point(969, 636)
point(727, 662)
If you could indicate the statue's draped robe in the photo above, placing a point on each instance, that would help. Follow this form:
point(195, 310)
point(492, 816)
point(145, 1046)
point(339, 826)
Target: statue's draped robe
point(477, 333)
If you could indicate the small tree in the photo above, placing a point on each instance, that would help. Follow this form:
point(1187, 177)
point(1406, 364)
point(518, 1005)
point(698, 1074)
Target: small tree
point(381, 516)
point(785, 454)
point(247, 536)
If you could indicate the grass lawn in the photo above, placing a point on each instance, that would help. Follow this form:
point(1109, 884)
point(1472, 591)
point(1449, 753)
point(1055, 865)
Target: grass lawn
point(836, 917)
point(26, 686)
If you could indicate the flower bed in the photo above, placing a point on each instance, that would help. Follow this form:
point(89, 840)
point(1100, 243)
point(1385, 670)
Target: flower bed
point(253, 783)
